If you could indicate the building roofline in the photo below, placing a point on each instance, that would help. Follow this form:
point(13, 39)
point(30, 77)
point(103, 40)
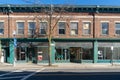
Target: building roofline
point(69, 8)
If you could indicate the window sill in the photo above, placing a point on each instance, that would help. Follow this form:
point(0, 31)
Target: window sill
point(117, 35)
point(61, 34)
point(103, 35)
point(74, 35)
point(86, 34)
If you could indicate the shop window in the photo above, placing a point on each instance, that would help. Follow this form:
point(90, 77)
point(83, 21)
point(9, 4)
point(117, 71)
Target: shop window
point(62, 26)
point(43, 52)
point(62, 54)
point(104, 53)
point(2, 28)
point(104, 28)
point(87, 54)
point(31, 28)
point(43, 28)
point(79, 53)
point(20, 28)
point(74, 28)
point(86, 28)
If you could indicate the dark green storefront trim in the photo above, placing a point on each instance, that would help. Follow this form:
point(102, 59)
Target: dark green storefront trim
point(94, 41)
point(95, 51)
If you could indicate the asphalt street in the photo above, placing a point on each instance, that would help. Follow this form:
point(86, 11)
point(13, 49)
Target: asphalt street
point(59, 74)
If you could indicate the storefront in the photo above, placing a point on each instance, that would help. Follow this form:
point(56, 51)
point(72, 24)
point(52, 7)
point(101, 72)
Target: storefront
point(87, 51)
point(106, 54)
point(74, 52)
point(32, 52)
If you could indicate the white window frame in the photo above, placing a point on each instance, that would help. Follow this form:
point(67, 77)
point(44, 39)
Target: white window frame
point(115, 28)
point(73, 31)
point(23, 26)
point(102, 27)
point(61, 28)
point(85, 28)
point(31, 28)
point(45, 28)
point(2, 28)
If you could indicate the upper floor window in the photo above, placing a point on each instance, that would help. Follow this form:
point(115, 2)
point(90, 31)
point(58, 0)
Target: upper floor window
point(74, 28)
point(104, 28)
point(43, 28)
point(117, 28)
point(61, 26)
point(31, 28)
point(20, 27)
point(2, 28)
point(86, 28)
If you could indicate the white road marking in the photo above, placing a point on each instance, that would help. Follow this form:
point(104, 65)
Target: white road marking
point(12, 77)
point(26, 77)
point(10, 72)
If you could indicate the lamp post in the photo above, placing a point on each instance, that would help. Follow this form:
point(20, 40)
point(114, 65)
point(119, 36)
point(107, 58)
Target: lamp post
point(15, 45)
point(8, 14)
point(112, 55)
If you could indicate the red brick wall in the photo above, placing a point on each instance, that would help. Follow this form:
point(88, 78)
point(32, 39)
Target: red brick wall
point(110, 17)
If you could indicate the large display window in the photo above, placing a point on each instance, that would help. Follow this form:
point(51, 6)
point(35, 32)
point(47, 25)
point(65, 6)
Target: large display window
point(106, 53)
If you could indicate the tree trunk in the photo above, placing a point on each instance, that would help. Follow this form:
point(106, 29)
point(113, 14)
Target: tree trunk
point(49, 52)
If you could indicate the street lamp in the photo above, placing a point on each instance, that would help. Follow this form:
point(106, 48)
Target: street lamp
point(15, 45)
point(8, 14)
point(112, 55)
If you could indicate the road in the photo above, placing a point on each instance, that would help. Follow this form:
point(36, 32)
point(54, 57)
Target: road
point(59, 74)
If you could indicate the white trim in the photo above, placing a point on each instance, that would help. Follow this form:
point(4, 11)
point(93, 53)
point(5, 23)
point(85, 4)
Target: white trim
point(31, 21)
point(116, 21)
point(20, 20)
point(74, 21)
point(2, 21)
point(61, 21)
point(3, 16)
point(87, 16)
point(107, 16)
point(27, 16)
point(44, 21)
point(104, 21)
point(86, 21)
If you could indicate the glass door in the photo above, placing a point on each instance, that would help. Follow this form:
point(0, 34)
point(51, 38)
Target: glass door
point(76, 54)
point(21, 54)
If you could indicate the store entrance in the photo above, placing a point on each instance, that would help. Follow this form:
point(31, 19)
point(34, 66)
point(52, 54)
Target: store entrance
point(29, 54)
point(21, 54)
point(75, 54)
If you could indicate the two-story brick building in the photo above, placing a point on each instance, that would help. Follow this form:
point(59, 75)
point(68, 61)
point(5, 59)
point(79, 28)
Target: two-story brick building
point(86, 34)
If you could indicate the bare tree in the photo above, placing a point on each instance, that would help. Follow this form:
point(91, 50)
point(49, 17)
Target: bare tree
point(52, 14)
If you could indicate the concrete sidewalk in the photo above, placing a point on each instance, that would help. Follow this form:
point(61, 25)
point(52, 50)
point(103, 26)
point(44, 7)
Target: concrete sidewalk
point(62, 65)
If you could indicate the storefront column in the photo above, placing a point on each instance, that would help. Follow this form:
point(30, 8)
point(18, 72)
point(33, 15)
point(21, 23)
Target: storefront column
point(11, 49)
point(53, 52)
point(95, 47)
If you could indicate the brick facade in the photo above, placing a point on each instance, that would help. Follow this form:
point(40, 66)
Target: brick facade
point(111, 18)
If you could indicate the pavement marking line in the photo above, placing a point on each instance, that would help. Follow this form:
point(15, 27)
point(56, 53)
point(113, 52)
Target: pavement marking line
point(10, 72)
point(26, 77)
point(88, 74)
point(11, 77)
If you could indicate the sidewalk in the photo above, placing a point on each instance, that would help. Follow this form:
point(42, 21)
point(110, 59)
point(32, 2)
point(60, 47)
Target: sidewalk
point(63, 65)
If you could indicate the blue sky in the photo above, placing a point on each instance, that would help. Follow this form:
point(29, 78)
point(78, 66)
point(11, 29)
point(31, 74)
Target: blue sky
point(78, 2)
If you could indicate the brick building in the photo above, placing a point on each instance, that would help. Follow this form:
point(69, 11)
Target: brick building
point(86, 34)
